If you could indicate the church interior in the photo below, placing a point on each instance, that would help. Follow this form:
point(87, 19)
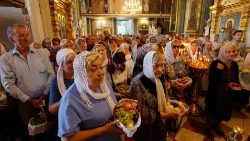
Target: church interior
point(127, 31)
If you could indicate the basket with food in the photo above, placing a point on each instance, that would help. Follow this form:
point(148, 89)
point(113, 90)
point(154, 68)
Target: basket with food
point(177, 107)
point(37, 124)
point(182, 82)
point(128, 115)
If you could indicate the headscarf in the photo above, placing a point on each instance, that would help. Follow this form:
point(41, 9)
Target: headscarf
point(81, 81)
point(105, 62)
point(223, 54)
point(169, 53)
point(61, 57)
point(193, 56)
point(149, 73)
point(77, 44)
point(127, 56)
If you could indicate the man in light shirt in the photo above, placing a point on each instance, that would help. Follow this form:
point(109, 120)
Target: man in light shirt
point(158, 36)
point(25, 73)
point(237, 36)
point(216, 44)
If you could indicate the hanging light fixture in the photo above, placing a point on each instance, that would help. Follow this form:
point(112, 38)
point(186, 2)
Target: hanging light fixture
point(132, 6)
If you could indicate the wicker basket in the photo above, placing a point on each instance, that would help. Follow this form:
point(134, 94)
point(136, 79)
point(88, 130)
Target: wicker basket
point(39, 128)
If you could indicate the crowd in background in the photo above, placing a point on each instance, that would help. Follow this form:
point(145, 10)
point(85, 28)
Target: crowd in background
point(82, 80)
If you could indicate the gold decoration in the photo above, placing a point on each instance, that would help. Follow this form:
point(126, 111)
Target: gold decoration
point(218, 10)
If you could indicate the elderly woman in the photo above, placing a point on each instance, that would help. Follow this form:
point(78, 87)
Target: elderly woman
point(148, 89)
point(222, 73)
point(66, 43)
point(81, 45)
point(173, 60)
point(113, 48)
point(124, 47)
point(63, 80)
point(86, 107)
point(101, 50)
point(120, 73)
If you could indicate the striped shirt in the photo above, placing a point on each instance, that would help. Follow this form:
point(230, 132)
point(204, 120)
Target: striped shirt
point(26, 78)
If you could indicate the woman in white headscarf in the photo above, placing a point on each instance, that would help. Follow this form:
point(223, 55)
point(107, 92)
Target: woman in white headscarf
point(148, 89)
point(222, 73)
point(171, 51)
point(86, 107)
point(81, 45)
point(64, 78)
point(124, 47)
point(172, 58)
point(193, 49)
point(100, 49)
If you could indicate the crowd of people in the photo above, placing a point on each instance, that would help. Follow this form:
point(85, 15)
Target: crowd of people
point(82, 80)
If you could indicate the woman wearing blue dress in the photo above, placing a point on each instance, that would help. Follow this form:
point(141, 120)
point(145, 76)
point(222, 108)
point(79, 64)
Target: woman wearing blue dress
point(85, 111)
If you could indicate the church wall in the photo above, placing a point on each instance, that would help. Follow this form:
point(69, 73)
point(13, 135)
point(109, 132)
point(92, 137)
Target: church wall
point(8, 16)
point(99, 25)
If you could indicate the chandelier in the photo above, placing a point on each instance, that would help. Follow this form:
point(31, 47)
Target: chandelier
point(132, 6)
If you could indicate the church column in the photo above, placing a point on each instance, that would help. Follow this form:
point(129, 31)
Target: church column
point(33, 9)
point(216, 10)
point(70, 27)
point(180, 21)
point(46, 18)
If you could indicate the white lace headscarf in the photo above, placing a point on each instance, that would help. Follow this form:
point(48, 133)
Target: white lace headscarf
point(81, 81)
point(95, 48)
point(149, 73)
point(169, 55)
point(61, 57)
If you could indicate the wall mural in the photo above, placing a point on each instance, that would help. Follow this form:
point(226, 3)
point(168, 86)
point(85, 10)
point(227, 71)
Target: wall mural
point(173, 16)
point(233, 19)
point(194, 15)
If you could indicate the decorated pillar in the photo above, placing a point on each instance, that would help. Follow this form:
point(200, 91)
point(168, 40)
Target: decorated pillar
point(33, 9)
point(62, 19)
point(216, 9)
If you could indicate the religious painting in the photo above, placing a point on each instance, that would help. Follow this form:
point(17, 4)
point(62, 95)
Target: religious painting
point(173, 19)
point(194, 10)
point(230, 21)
